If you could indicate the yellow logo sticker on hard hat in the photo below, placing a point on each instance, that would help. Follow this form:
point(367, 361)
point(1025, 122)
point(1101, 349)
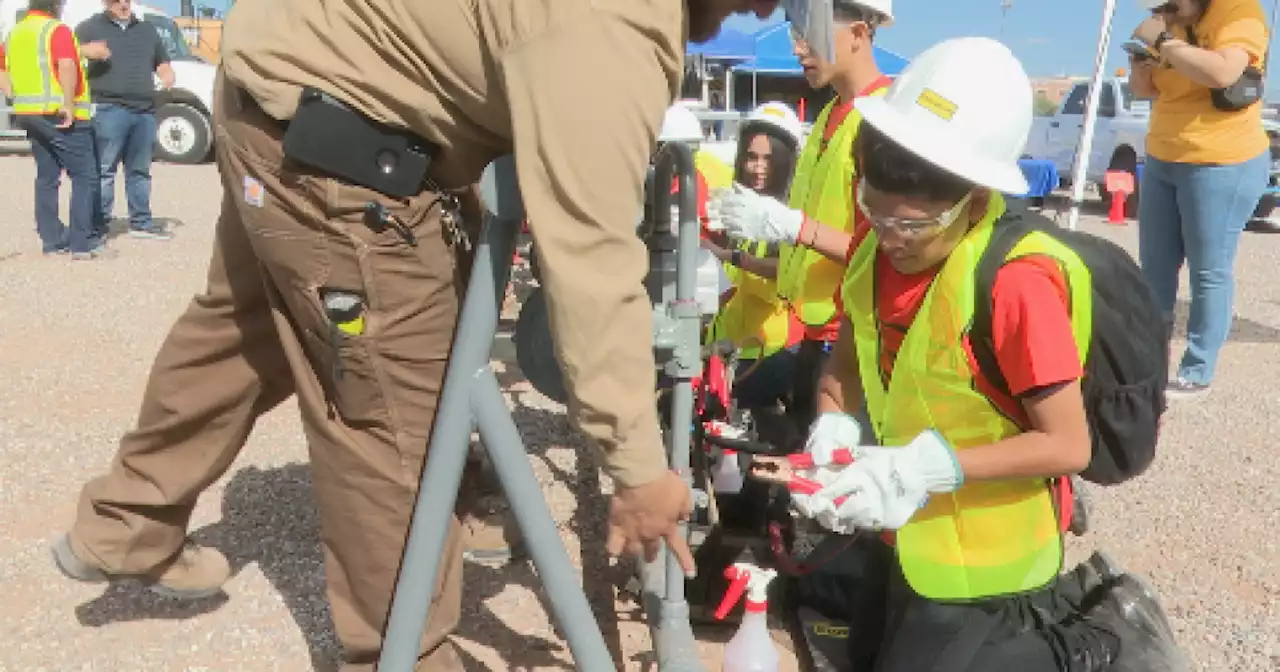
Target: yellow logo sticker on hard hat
point(774, 112)
point(930, 100)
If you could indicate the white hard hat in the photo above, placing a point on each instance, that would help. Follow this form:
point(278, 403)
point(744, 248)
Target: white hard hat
point(964, 105)
point(680, 124)
point(883, 7)
point(777, 116)
point(1152, 4)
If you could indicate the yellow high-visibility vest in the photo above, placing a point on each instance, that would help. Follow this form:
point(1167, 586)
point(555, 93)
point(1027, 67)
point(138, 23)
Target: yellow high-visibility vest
point(754, 319)
point(36, 89)
point(987, 538)
point(823, 190)
point(715, 172)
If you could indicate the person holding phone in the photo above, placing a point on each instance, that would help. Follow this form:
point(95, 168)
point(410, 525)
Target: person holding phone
point(1208, 159)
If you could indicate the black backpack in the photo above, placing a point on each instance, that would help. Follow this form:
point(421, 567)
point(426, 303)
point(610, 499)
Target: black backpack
point(1127, 369)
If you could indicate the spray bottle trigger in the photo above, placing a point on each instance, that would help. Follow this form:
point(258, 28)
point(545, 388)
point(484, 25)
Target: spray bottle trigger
point(739, 579)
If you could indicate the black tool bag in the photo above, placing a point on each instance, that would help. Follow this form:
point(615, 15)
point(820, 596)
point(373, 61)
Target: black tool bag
point(1245, 92)
point(1127, 369)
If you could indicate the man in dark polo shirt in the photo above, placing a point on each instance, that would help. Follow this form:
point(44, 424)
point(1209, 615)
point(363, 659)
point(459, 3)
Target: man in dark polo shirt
point(120, 79)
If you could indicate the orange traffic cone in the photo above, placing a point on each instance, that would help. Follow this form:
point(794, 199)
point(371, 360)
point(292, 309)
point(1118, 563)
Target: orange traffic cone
point(1120, 184)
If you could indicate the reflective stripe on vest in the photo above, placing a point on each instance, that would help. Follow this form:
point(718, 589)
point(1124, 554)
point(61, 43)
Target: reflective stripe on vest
point(36, 89)
point(988, 538)
point(823, 189)
point(757, 322)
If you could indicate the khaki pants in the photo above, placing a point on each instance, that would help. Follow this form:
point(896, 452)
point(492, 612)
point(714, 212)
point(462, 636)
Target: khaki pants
point(258, 335)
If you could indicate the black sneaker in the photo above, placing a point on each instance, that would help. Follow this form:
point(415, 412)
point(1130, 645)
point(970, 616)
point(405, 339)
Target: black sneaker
point(1182, 388)
point(1133, 613)
point(1080, 507)
point(99, 252)
point(150, 233)
point(1135, 599)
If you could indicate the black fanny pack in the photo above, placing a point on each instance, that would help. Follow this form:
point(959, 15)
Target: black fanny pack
point(1245, 92)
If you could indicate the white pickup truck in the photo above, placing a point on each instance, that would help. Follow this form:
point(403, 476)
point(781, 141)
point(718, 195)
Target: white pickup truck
point(1119, 139)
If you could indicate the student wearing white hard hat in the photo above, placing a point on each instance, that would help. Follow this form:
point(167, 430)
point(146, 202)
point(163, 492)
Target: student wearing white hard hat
point(760, 325)
point(835, 49)
point(970, 547)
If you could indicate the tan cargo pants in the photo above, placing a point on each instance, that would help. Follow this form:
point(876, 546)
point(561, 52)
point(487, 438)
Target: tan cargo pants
point(259, 334)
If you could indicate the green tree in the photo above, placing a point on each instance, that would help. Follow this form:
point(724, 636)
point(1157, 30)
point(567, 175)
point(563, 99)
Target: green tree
point(1043, 106)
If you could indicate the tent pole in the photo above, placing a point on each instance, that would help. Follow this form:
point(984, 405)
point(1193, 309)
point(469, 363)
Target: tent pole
point(1085, 147)
point(1271, 33)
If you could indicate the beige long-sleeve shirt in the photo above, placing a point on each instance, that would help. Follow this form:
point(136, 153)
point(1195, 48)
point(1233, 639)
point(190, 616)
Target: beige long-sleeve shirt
point(575, 88)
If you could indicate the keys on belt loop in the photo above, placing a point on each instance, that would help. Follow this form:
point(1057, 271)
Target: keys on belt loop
point(451, 220)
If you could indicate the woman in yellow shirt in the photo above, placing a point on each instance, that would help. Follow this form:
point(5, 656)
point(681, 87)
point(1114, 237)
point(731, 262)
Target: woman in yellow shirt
point(1206, 167)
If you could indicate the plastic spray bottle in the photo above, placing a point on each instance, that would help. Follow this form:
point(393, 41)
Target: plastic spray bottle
point(752, 648)
point(727, 477)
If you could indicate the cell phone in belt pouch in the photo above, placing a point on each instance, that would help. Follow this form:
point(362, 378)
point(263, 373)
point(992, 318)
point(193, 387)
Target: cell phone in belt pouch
point(327, 135)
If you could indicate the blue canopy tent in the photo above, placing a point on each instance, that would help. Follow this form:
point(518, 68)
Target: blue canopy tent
point(728, 45)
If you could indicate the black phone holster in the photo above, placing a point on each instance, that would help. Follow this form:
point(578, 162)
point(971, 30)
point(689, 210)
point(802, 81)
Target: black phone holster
point(329, 136)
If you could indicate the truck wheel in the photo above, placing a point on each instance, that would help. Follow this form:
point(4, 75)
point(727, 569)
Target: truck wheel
point(1127, 160)
point(183, 134)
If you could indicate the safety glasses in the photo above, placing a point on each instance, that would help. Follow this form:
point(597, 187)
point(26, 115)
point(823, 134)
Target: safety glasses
point(911, 228)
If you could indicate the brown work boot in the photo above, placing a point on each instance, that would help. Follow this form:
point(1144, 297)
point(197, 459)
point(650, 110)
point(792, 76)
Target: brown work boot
point(197, 572)
point(490, 535)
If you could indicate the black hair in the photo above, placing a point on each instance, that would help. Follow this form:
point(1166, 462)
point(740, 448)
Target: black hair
point(890, 168)
point(782, 159)
point(47, 6)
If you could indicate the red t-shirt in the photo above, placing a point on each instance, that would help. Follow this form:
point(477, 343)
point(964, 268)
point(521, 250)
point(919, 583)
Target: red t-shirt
point(1030, 325)
point(62, 45)
point(831, 330)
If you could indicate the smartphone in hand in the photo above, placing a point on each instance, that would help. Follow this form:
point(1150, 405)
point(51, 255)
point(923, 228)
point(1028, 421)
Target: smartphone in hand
point(1139, 51)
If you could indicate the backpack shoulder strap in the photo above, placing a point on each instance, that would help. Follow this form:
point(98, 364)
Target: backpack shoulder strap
point(1008, 232)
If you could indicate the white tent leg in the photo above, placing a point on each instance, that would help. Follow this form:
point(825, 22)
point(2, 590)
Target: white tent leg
point(1085, 147)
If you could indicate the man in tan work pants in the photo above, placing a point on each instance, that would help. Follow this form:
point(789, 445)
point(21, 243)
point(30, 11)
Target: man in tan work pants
point(475, 78)
point(249, 343)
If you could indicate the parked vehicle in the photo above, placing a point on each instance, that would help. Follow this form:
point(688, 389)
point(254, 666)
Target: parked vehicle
point(184, 133)
point(1119, 138)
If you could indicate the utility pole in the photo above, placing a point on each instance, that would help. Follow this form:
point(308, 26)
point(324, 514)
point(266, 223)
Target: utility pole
point(1005, 6)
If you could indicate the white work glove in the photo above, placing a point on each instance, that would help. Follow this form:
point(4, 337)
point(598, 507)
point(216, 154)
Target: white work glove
point(830, 432)
point(884, 487)
point(749, 215)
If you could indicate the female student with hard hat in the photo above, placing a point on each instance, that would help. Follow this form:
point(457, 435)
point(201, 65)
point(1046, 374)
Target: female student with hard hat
point(753, 317)
point(972, 547)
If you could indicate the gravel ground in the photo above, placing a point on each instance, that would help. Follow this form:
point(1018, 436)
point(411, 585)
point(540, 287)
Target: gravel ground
point(1201, 525)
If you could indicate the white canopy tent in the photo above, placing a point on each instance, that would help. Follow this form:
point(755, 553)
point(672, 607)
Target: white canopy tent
point(1081, 165)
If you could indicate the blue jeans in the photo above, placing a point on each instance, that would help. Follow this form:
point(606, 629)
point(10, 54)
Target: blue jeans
point(56, 150)
point(124, 135)
point(1196, 212)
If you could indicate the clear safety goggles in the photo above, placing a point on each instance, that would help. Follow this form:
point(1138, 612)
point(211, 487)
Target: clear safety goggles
point(812, 24)
point(912, 227)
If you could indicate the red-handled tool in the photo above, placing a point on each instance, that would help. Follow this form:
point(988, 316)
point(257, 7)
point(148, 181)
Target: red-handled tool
point(841, 456)
point(805, 486)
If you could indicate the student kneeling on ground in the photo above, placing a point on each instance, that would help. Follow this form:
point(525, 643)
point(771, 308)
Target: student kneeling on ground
point(971, 544)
